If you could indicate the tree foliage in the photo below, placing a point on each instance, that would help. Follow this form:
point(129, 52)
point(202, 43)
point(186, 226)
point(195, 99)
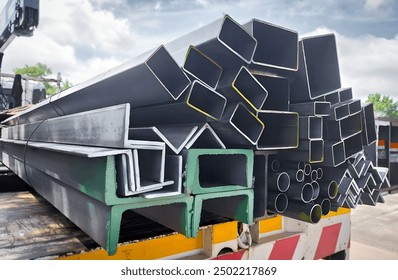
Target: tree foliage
point(42, 71)
point(383, 105)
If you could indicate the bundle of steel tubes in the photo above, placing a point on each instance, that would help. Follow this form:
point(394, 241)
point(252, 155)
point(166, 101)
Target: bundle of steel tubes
point(222, 119)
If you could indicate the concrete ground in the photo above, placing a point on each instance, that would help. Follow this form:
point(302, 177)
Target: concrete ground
point(374, 231)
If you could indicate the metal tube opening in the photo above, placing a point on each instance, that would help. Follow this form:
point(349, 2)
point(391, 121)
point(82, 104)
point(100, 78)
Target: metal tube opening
point(247, 86)
point(237, 39)
point(307, 193)
point(283, 181)
point(307, 169)
point(247, 123)
point(319, 173)
point(316, 189)
point(326, 205)
point(351, 125)
point(222, 170)
point(316, 213)
point(202, 67)
point(300, 175)
point(275, 165)
point(314, 175)
point(333, 189)
point(206, 100)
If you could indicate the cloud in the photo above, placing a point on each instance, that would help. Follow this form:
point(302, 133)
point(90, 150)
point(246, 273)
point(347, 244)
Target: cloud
point(368, 64)
point(371, 5)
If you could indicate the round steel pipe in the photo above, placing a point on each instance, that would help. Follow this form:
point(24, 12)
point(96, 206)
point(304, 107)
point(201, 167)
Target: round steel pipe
point(279, 181)
point(307, 212)
point(275, 165)
point(300, 192)
point(277, 202)
point(295, 174)
point(319, 172)
point(325, 204)
point(314, 175)
point(316, 188)
point(307, 169)
point(329, 189)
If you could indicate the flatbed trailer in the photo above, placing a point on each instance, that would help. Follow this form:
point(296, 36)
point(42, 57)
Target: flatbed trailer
point(34, 229)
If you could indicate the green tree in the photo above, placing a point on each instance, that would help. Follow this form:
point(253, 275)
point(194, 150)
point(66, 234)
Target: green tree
point(42, 71)
point(383, 105)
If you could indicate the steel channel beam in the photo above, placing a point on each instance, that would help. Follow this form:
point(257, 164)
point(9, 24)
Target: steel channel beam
point(315, 108)
point(306, 212)
point(112, 172)
point(260, 172)
point(100, 221)
point(242, 86)
point(239, 127)
point(281, 53)
point(155, 73)
point(278, 89)
point(237, 205)
point(215, 170)
point(203, 138)
point(277, 202)
point(368, 125)
point(173, 171)
point(281, 132)
point(311, 127)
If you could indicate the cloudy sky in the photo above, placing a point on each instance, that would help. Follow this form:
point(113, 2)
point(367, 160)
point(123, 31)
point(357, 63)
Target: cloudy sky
point(82, 38)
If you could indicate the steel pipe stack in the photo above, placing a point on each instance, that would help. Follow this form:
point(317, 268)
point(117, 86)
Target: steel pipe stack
point(221, 120)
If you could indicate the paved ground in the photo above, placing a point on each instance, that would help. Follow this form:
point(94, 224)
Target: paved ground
point(374, 231)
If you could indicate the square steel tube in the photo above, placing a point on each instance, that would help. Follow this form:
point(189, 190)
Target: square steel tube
point(368, 125)
point(155, 73)
point(277, 46)
point(334, 153)
point(315, 108)
point(351, 126)
point(278, 91)
point(281, 132)
point(353, 145)
point(345, 94)
point(311, 127)
point(239, 127)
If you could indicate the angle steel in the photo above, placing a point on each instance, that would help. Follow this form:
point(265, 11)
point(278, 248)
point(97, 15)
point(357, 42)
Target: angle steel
point(282, 130)
point(174, 136)
point(215, 170)
point(279, 53)
point(237, 205)
point(278, 91)
point(203, 138)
